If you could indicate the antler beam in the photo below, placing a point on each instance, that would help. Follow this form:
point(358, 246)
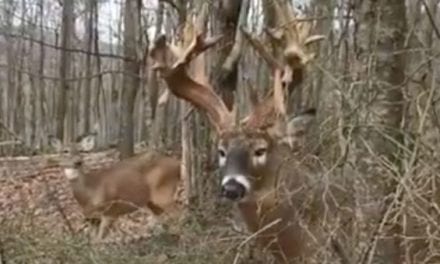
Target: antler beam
point(184, 86)
point(294, 38)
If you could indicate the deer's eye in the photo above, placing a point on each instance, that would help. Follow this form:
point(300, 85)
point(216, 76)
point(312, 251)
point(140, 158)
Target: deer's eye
point(260, 152)
point(221, 153)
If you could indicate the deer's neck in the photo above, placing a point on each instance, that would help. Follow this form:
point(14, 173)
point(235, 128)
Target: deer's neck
point(72, 174)
point(277, 228)
point(281, 204)
point(79, 185)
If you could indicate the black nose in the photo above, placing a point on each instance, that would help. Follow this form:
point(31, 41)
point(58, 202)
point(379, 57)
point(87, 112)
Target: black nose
point(233, 190)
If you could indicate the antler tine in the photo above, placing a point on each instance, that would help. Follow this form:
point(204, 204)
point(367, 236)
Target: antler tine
point(271, 108)
point(294, 37)
point(258, 46)
point(187, 88)
point(285, 17)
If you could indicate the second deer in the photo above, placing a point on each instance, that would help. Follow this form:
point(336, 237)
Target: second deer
point(149, 180)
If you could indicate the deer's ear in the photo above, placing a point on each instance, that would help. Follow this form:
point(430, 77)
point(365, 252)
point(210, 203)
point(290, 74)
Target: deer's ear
point(87, 143)
point(298, 126)
point(301, 122)
point(55, 143)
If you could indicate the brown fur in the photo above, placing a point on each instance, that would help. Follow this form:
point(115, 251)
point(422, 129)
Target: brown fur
point(149, 180)
point(288, 189)
point(142, 181)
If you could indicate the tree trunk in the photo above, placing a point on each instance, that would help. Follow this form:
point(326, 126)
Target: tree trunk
point(379, 41)
point(99, 116)
point(131, 76)
point(226, 68)
point(157, 111)
point(88, 65)
point(65, 66)
point(381, 29)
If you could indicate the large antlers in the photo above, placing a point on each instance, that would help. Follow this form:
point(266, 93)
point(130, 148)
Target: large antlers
point(294, 37)
point(287, 71)
point(184, 86)
point(293, 33)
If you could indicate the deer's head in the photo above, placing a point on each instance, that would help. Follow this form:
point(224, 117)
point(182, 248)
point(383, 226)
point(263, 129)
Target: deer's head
point(248, 150)
point(248, 157)
point(71, 154)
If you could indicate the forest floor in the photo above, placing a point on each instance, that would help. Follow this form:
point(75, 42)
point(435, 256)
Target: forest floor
point(41, 223)
point(196, 242)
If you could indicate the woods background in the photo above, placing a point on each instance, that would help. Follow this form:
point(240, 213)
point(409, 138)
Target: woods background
point(69, 68)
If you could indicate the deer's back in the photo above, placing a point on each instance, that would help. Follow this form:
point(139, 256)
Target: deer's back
point(129, 184)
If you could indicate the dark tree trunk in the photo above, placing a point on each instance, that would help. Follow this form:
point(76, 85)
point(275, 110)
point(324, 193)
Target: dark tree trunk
point(65, 66)
point(131, 77)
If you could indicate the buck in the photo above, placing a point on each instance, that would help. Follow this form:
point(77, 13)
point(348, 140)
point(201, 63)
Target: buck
point(148, 180)
point(275, 184)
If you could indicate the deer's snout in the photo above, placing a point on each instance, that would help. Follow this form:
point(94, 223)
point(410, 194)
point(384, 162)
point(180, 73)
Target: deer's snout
point(233, 190)
point(234, 187)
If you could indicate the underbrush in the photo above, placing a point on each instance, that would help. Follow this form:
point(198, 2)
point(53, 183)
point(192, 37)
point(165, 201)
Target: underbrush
point(196, 239)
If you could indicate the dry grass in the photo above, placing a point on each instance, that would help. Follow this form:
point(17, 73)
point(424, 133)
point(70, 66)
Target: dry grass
point(41, 223)
point(198, 240)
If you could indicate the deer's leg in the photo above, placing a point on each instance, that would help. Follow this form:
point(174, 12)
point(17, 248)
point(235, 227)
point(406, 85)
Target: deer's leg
point(92, 221)
point(94, 225)
point(106, 223)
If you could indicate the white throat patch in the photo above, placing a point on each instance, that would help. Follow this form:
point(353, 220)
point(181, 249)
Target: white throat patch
point(71, 174)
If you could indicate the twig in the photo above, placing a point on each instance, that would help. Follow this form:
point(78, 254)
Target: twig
point(74, 79)
point(2, 253)
point(15, 136)
point(9, 131)
point(10, 142)
point(339, 251)
point(59, 208)
point(108, 55)
point(312, 19)
point(369, 253)
point(431, 18)
point(244, 242)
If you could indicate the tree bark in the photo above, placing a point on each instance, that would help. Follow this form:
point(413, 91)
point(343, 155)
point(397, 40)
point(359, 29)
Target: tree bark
point(380, 36)
point(226, 68)
point(380, 32)
point(131, 76)
point(65, 66)
point(88, 64)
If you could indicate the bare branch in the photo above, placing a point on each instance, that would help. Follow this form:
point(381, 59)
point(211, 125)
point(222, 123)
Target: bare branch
point(234, 55)
point(108, 55)
point(431, 19)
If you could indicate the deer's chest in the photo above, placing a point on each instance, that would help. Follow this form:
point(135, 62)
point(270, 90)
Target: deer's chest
point(278, 227)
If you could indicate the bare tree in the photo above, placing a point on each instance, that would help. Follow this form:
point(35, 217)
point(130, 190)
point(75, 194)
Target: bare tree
point(90, 5)
point(131, 76)
point(379, 42)
point(380, 36)
point(226, 67)
point(65, 66)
